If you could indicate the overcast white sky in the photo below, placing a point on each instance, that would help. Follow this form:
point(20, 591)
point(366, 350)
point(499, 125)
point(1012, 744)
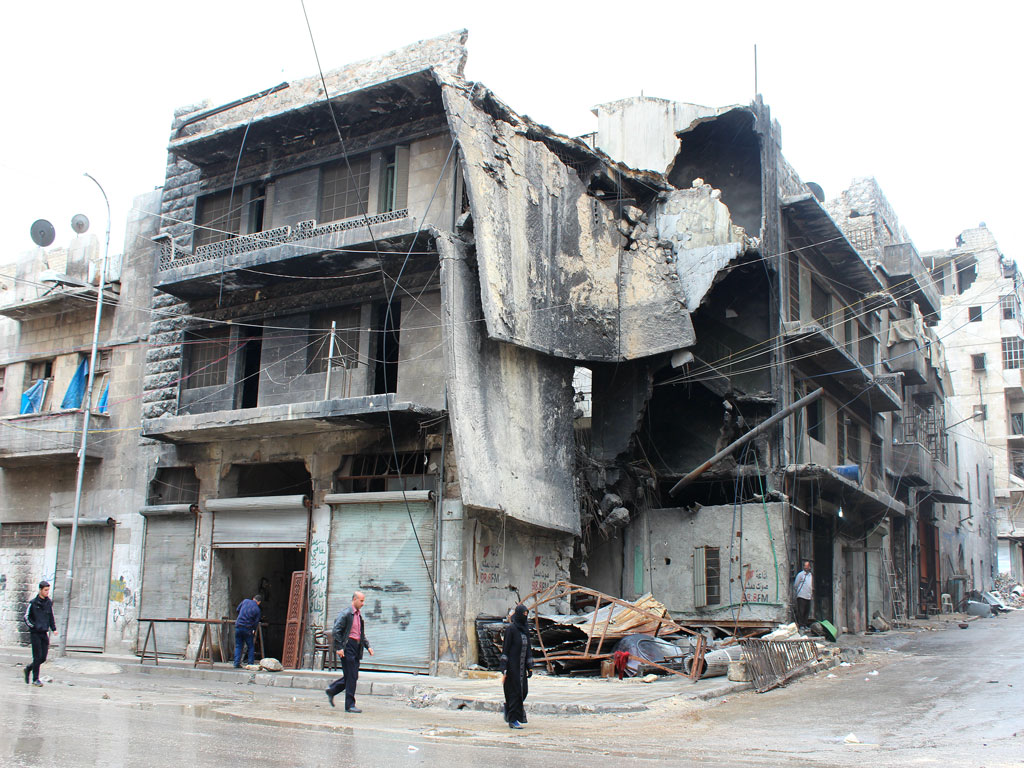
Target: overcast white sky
point(923, 96)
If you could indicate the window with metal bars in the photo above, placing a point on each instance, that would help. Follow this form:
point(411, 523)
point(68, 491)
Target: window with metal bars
point(346, 339)
point(206, 358)
point(218, 217)
point(707, 575)
point(1008, 306)
point(1013, 352)
point(22, 535)
point(385, 472)
point(174, 485)
point(344, 189)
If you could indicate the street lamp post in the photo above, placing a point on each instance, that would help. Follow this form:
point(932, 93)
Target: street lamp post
point(65, 619)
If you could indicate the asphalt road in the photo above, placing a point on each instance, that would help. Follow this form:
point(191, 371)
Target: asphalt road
point(949, 698)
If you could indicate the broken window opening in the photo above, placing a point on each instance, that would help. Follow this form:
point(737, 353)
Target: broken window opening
point(385, 377)
point(974, 314)
point(278, 478)
point(583, 389)
point(726, 153)
point(249, 394)
point(174, 485)
point(966, 274)
point(378, 472)
point(816, 421)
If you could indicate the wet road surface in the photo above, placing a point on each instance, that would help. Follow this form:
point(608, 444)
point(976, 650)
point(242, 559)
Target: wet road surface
point(948, 698)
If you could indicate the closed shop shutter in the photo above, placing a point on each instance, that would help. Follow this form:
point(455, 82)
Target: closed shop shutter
point(167, 574)
point(374, 551)
point(94, 551)
point(259, 521)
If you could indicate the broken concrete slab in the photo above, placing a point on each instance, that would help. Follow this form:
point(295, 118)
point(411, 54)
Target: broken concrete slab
point(557, 274)
point(511, 410)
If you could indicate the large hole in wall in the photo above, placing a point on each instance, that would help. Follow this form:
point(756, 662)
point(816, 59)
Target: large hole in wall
point(726, 153)
point(286, 478)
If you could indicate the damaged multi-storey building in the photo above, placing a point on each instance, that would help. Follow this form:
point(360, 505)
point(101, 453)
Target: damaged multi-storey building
point(409, 342)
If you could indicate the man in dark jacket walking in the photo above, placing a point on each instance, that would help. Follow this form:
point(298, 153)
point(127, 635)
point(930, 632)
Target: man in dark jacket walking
point(349, 640)
point(245, 627)
point(39, 617)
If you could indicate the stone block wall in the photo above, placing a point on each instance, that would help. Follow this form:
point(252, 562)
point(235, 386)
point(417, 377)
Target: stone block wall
point(20, 572)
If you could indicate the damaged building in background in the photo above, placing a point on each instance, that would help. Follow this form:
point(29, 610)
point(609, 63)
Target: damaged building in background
point(407, 341)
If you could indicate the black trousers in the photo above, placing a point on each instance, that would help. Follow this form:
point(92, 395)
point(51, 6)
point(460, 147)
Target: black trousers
point(803, 611)
point(40, 647)
point(350, 671)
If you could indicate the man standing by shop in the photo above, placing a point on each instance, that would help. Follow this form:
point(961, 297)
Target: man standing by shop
point(39, 617)
point(246, 624)
point(349, 641)
point(803, 587)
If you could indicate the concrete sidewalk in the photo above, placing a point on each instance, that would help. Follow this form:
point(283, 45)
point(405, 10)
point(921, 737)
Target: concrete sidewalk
point(548, 694)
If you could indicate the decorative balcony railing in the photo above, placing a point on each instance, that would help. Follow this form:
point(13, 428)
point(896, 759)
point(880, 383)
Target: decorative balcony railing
point(172, 257)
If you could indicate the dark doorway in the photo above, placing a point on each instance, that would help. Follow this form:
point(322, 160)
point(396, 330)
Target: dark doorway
point(249, 571)
point(824, 607)
point(250, 384)
point(385, 378)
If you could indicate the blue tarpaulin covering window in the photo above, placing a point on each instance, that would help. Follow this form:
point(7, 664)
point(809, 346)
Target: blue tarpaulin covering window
point(32, 398)
point(101, 406)
point(76, 389)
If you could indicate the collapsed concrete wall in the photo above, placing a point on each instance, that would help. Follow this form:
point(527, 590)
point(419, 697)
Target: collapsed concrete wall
point(511, 410)
point(558, 272)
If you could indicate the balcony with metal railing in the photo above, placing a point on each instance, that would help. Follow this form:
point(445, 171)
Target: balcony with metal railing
point(261, 259)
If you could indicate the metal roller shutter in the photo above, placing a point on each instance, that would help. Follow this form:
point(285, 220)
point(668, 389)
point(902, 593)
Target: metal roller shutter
point(374, 551)
point(260, 521)
point(167, 573)
point(94, 551)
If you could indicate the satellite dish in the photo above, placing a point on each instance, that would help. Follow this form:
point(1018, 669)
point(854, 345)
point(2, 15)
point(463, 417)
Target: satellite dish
point(80, 223)
point(42, 233)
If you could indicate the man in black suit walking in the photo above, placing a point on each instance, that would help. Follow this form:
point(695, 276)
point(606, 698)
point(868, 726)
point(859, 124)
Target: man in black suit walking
point(349, 641)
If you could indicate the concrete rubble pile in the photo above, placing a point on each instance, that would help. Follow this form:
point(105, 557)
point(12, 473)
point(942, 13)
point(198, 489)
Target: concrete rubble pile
point(1009, 591)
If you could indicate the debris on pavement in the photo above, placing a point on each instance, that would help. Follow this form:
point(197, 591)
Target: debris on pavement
point(852, 739)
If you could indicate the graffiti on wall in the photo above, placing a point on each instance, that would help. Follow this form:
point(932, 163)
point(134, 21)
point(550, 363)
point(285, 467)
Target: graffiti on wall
point(545, 572)
point(755, 584)
point(490, 565)
point(318, 578)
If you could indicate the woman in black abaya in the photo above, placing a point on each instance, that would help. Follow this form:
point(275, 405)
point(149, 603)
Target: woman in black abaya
point(516, 661)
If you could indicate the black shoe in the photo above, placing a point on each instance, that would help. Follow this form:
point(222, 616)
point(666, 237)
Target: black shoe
point(354, 710)
point(330, 697)
point(28, 671)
